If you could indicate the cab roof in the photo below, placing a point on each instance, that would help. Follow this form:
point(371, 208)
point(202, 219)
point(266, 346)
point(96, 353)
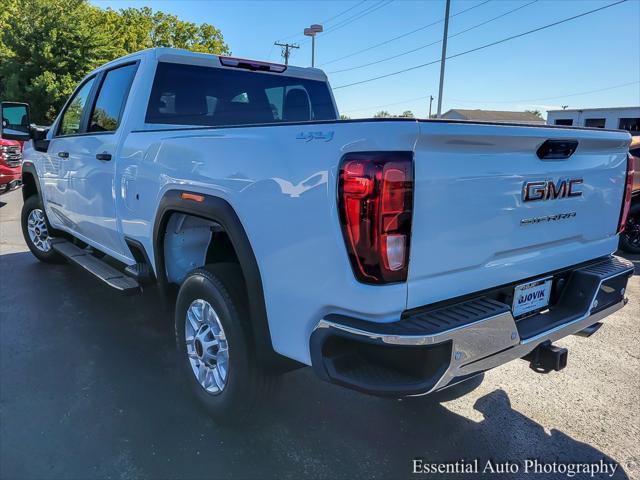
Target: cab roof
point(178, 55)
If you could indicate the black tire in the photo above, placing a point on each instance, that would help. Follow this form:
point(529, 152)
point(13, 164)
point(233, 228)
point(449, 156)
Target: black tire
point(220, 286)
point(630, 238)
point(50, 256)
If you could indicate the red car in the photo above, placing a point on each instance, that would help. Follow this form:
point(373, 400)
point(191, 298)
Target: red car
point(10, 165)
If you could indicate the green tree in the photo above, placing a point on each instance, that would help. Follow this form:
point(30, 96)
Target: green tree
point(537, 113)
point(6, 11)
point(140, 28)
point(48, 46)
point(53, 44)
point(406, 114)
point(382, 114)
point(344, 117)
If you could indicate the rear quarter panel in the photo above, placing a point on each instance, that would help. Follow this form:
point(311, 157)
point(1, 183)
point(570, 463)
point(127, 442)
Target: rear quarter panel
point(281, 181)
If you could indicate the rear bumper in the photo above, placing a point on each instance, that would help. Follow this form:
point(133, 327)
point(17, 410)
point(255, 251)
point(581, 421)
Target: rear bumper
point(428, 351)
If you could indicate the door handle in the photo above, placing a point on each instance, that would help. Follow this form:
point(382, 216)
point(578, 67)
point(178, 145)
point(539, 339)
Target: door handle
point(105, 157)
point(63, 154)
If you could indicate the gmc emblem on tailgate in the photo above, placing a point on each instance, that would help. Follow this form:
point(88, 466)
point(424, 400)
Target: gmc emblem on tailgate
point(548, 190)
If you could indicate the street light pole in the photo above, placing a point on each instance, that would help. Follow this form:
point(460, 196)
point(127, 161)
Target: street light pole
point(311, 32)
point(430, 102)
point(444, 56)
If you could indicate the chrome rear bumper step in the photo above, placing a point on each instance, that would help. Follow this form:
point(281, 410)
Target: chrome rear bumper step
point(459, 340)
point(96, 267)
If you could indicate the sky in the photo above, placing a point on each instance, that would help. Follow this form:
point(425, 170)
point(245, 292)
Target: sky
point(592, 61)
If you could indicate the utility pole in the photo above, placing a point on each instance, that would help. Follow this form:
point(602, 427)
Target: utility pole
point(286, 50)
point(444, 55)
point(430, 102)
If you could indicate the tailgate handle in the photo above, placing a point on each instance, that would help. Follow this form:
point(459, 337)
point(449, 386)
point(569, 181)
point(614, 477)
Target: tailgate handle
point(557, 149)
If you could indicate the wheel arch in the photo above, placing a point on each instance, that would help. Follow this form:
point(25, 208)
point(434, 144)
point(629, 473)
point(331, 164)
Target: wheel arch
point(218, 210)
point(30, 183)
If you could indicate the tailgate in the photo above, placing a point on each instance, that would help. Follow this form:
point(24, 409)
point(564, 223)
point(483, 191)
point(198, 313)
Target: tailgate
point(472, 229)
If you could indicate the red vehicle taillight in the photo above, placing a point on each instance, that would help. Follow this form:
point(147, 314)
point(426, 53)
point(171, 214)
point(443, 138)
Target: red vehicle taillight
point(626, 199)
point(375, 196)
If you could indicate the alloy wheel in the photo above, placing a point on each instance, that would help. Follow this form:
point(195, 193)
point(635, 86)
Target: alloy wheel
point(207, 347)
point(37, 228)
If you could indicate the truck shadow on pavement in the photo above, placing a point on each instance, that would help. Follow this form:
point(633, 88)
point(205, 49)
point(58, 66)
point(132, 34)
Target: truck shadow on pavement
point(89, 389)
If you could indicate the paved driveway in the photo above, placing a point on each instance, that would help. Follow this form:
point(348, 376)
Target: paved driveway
point(89, 389)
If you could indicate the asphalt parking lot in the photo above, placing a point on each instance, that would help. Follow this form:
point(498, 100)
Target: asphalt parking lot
point(89, 389)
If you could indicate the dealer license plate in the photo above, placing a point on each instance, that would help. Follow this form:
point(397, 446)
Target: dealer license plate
point(531, 296)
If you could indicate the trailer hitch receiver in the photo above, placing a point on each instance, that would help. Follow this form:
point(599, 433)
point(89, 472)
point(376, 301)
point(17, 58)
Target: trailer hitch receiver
point(547, 357)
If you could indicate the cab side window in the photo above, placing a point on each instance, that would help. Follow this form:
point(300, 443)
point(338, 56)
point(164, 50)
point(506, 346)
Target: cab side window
point(111, 99)
point(70, 123)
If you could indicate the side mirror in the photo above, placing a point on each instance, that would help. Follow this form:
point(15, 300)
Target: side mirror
point(15, 121)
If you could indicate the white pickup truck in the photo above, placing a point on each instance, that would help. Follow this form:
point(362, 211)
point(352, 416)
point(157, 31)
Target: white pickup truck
point(396, 257)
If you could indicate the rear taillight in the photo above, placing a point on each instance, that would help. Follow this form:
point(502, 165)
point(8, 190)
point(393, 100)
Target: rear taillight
point(626, 199)
point(375, 196)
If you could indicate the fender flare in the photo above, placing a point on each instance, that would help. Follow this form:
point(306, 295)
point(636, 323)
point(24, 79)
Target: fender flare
point(220, 211)
point(29, 168)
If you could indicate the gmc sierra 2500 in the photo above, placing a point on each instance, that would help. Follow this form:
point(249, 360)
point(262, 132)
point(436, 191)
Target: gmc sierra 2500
point(396, 257)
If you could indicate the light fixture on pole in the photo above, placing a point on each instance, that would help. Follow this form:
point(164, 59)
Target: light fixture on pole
point(311, 32)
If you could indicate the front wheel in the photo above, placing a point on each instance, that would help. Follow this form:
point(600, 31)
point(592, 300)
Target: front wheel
point(216, 346)
point(630, 238)
point(36, 231)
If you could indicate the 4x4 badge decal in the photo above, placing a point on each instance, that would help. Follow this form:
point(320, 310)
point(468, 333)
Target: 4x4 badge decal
point(308, 136)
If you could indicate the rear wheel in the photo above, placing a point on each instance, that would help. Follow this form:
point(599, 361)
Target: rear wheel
point(216, 346)
point(630, 238)
point(36, 231)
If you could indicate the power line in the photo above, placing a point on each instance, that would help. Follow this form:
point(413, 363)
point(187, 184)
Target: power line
point(330, 19)
point(501, 101)
point(497, 42)
point(404, 34)
point(551, 98)
point(358, 16)
point(393, 57)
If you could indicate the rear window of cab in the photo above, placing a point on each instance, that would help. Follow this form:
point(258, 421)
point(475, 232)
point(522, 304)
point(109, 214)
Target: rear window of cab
point(210, 96)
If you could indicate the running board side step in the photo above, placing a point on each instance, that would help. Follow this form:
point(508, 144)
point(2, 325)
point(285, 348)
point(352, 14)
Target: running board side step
point(96, 267)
